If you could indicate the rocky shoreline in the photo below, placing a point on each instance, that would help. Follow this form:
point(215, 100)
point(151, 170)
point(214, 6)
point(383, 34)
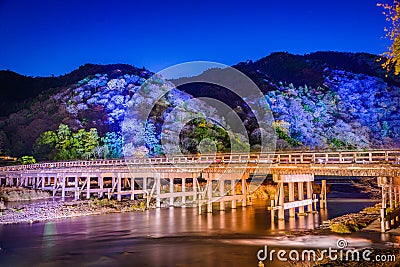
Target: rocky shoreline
point(11, 194)
point(53, 210)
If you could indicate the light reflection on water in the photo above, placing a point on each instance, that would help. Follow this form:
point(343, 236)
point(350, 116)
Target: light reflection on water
point(160, 237)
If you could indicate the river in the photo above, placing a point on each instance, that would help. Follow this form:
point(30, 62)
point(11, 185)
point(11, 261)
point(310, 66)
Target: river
point(170, 236)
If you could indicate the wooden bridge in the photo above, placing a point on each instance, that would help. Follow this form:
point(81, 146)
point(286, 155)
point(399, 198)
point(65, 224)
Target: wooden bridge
point(207, 179)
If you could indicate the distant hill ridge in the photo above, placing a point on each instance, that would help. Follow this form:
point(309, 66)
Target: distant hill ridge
point(17, 89)
point(322, 100)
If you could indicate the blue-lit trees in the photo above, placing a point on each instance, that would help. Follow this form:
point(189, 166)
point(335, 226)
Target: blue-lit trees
point(113, 143)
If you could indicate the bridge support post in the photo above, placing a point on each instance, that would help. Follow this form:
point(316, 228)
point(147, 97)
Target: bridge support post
point(323, 195)
point(209, 195)
point(63, 187)
point(194, 184)
point(391, 193)
point(300, 192)
point(158, 190)
point(383, 182)
point(244, 190)
point(272, 210)
point(221, 194)
point(233, 189)
point(133, 188)
point(88, 186)
point(145, 184)
point(171, 190)
point(119, 193)
point(76, 195)
point(291, 198)
point(281, 212)
point(309, 195)
point(37, 178)
point(55, 179)
point(183, 191)
point(43, 182)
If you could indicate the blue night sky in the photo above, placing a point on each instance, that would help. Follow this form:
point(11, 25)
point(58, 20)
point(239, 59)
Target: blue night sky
point(41, 38)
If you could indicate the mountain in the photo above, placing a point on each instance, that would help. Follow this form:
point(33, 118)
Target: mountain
point(322, 100)
point(17, 90)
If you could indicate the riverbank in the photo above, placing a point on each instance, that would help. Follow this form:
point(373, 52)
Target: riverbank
point(52, 210)
point(11, 194)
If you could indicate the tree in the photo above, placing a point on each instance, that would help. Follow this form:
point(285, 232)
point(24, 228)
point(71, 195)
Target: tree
point(27, 160)
point(45, 146)
point(64, 144)
point(82, 143)
point(113, 142)
point(152, 143)
point(392, 13)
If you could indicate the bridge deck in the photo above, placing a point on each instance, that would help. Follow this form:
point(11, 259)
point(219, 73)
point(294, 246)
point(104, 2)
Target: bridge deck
point(132, 176)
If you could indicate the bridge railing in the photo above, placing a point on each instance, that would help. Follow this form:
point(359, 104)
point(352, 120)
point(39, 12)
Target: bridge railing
point(343, 157)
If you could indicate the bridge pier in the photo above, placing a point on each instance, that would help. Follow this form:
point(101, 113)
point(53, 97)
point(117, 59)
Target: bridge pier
point(88, 186)
point(291, 198)
point(322, 203)
point(244, 189)
point(209, 196)
point(390, 218)
point(300, 192)
point(183, 191)
point(63, 187)
point(171, 190)
point(279, 202)
point(195, 184)
point(309, 196)
point(119, 196)
point(222, 193)
point(233, 189)
point(133, 188)
point(76, 188)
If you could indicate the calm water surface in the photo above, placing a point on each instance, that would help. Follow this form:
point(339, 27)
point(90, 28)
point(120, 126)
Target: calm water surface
point(167, 237)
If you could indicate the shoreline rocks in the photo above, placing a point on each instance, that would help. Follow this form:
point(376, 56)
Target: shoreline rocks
point(52, 210)
point(11, 194)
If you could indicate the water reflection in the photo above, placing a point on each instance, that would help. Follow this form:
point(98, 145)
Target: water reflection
point(160, 237)
point(49, 242)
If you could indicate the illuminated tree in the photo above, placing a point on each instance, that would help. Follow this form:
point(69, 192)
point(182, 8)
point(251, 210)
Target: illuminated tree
point(64, 145)
point(27, 160)
point(113, 142)
point(392, 13)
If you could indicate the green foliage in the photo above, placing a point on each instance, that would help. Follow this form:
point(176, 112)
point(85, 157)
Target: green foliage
point(336, 143)
point(385, 128)
point(64, 144)
point(205, 136)
point(307, 108)
point(208, 130)
point(27, 160)
point(391, 60)
point(238, 145)
point(283, 134)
